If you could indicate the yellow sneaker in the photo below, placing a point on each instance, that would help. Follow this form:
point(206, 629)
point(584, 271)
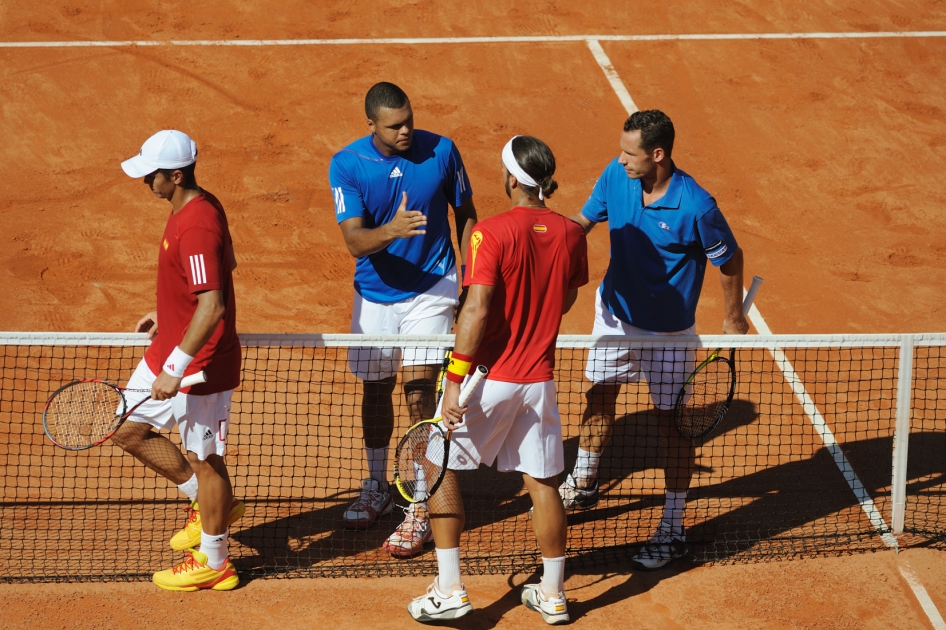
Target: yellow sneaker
point(193, 575)
point(189, 537)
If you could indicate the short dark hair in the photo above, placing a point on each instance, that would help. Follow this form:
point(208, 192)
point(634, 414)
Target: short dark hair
point(384, 95)
point(189, 181)
point(655, 127)
point(536, 159)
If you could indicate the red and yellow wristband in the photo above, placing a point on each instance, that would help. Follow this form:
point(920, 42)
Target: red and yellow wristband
point(458, 367)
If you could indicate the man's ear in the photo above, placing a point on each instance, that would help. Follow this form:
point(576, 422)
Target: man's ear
point(371, 126)
point(658, 154)
point(177, 177)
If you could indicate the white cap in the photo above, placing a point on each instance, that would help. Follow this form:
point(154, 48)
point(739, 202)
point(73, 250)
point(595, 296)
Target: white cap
point(165, 149)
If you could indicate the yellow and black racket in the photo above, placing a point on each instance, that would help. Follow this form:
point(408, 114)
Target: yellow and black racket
point(704, 399)
point(420, 461)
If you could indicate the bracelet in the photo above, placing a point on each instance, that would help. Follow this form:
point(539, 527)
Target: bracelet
point(177, 362)
point(462, 272)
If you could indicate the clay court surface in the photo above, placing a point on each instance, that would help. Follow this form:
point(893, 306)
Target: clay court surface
point(826, 155)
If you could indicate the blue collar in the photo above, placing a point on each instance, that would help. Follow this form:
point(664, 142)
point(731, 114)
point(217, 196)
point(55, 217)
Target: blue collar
point(671, 198)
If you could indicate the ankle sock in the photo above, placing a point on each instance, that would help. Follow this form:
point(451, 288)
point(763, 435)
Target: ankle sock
point(214, 546)
point(378, 465)
point(448, 565)
point(586, 468)
point(553, 576)
point(189, 488)
point(674, 510)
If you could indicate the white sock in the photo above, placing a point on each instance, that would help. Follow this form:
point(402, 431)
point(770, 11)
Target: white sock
point(189, 488)
point(553, 577)
point(215, 548)
point(586, 468)
point(448, 566)
point(674, 509)
point(378, 464)
point(420, 487)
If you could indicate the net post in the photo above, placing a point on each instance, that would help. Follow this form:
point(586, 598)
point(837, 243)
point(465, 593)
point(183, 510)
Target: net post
point(901, 436)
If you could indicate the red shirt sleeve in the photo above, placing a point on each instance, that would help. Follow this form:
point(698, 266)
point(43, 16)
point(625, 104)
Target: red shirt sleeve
point(579, 251)
point(203, 257)
point(484, 254)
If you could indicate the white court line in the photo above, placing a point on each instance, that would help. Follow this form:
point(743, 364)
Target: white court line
point(525, 39)
point(814, 415)
point(920, 591)
point(602, 58)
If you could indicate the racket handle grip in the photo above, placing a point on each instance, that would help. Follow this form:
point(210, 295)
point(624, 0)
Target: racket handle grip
point(194, 379)
point(750, 294)
point(467, 392)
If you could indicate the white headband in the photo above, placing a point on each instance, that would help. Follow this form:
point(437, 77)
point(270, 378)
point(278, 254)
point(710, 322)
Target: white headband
point(509, 161)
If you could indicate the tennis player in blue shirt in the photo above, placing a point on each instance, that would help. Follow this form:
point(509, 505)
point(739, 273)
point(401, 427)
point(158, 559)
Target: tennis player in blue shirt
point(664, 228)
point(392, 189)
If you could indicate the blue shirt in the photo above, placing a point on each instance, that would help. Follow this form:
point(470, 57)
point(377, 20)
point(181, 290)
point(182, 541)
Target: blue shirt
point(658, 251)
point(368, 184)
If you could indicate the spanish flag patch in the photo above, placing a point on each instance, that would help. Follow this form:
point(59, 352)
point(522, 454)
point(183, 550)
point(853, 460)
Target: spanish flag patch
point(539, 228)
point(166, 244)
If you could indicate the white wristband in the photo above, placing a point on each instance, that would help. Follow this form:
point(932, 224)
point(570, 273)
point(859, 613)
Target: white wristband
point(177, 362)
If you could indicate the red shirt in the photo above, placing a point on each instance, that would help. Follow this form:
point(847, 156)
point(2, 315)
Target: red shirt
point(532, 257)
point(196, 255)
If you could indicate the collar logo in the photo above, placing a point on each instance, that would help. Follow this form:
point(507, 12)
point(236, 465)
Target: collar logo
point(664, 226)
point(395, 173)
point(539, 228)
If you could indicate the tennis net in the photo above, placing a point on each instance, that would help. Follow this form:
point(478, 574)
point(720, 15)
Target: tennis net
point(833, 444)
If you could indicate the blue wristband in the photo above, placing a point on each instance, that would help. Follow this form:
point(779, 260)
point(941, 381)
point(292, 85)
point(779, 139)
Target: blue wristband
point(462, 272)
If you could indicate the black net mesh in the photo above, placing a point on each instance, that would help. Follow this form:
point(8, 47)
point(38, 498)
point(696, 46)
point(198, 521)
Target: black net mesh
point(800, 465)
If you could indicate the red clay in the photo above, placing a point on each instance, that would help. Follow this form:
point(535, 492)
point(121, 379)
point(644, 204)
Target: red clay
point(826, 156)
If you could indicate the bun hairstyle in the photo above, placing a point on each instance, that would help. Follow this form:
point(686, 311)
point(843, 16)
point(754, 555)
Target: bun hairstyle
point(536, 159)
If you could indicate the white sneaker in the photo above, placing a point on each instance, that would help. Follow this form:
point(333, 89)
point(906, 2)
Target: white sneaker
point(372, 503)
point(411, 535)
point(554, 609)
point(662, 549)
point(435, 606)
point(575, 498)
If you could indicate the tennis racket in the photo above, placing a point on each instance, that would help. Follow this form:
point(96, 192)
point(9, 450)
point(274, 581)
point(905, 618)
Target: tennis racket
point(705, 397)
point(83, 414)
point(420, 460)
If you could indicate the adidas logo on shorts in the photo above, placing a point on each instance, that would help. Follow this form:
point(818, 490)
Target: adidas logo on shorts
point(208, 435)
point(395, 173)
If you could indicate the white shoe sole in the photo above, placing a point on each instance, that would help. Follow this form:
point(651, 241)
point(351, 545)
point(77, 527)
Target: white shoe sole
point(452, 613)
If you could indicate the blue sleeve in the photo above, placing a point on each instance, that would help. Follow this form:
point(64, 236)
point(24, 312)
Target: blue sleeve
point(717, 239)
point(457, 183)
point(596, 208)
point(349, 202)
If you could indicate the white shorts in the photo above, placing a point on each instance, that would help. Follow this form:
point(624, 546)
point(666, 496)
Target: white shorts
point(429, 313)
point(515, 424)
point(666, 370)
point(202, 420)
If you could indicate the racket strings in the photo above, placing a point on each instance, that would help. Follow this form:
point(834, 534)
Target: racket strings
point(83, 413)
point(707, 398)
point(420, 460)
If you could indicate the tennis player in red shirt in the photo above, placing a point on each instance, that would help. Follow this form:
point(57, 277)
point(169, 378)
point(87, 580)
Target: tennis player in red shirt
point(523, 273)
point(197, 315)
